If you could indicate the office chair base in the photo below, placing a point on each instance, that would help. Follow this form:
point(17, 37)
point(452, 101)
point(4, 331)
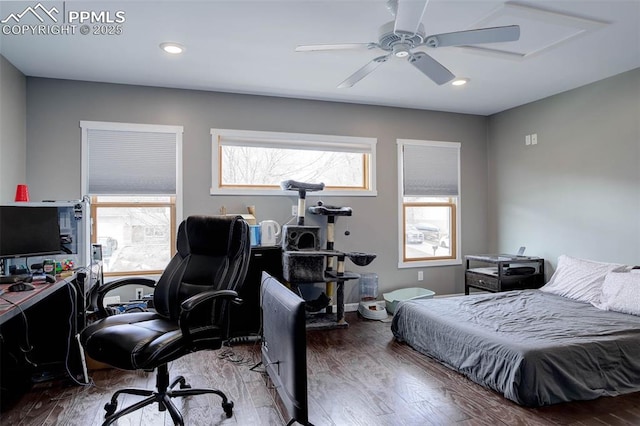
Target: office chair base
point(163, 397)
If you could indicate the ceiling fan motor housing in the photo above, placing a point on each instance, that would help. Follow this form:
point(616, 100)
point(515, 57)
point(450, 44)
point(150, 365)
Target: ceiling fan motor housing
point(405, 40)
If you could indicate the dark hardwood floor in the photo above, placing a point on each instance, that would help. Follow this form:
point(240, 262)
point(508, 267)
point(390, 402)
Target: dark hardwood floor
point(356, 376)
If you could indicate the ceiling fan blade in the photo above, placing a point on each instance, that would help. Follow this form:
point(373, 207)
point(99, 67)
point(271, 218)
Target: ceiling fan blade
point(409, 15)
point(341, 46)
point(363, 72)
point(431, 68)
point(482, 35)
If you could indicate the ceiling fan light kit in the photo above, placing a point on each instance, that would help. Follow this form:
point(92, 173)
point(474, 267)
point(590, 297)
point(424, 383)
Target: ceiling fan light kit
point(406, 33)
point(400, 51)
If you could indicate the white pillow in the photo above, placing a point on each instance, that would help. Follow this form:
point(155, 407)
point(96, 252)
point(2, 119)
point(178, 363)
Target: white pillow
point(621, 293)
point(579, 279)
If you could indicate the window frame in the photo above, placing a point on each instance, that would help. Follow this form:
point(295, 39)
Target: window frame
point(291, 140)
point(171, 204)
point(452, 236)
point(454, 203)
point(176, 200)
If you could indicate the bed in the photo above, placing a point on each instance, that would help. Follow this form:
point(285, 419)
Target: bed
point(536, 347)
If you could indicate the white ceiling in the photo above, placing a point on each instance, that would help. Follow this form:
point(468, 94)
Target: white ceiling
point(248, 47)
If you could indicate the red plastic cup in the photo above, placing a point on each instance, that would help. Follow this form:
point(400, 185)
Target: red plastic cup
point(22, 192)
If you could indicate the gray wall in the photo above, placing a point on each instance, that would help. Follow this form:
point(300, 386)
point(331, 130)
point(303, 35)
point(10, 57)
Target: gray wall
point(578, 191)
point(13, 126)
point(55, 108)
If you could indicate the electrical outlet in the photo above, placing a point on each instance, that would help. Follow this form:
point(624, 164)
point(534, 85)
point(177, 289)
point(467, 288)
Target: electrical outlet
point(534, 139)
point(420, 276)
point(294, 210)
point(139, 293)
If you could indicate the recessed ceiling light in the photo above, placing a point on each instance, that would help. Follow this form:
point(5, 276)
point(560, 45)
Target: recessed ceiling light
point(173, 48)
point(460, 81)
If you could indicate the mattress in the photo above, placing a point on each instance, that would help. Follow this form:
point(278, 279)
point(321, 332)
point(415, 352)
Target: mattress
point(533, 347)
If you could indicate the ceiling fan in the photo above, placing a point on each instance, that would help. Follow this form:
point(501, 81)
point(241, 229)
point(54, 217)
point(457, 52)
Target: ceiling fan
point(406, 32)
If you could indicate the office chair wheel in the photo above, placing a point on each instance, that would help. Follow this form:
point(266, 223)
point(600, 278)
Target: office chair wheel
point(228, 408)
point(110, 408)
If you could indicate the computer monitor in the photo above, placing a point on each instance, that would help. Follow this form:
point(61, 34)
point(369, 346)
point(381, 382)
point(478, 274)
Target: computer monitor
point(29, 231)
point(284, 345)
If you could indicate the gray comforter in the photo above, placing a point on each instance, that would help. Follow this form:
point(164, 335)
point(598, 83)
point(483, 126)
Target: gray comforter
point(535, 348)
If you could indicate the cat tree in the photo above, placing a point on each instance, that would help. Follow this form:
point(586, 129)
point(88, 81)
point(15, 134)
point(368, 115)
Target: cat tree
point(304, 262)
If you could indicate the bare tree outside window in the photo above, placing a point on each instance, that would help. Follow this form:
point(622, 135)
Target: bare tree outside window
point(249, 162)
point(269, 166)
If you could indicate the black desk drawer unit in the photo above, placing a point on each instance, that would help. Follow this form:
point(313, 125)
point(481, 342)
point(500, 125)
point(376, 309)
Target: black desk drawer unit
point(482, 281)
point(246, 319)
point(507, 272)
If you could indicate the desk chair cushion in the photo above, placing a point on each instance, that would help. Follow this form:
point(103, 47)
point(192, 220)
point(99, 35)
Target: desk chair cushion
point(143, 340)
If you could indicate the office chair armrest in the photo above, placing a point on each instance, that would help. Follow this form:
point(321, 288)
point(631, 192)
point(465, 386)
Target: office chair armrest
point(189, 305)
point(112, 285)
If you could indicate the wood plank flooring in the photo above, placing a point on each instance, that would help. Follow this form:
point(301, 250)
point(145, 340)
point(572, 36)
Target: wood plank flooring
point(356, 376)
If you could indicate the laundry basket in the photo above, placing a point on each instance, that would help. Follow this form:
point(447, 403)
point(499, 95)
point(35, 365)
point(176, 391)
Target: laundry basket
point(393, 298)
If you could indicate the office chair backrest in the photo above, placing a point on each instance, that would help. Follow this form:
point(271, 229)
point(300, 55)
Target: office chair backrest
point(212, 254)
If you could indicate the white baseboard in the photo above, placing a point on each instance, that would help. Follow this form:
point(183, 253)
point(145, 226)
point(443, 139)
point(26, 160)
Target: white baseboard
point(348, 307)
point(353, 307)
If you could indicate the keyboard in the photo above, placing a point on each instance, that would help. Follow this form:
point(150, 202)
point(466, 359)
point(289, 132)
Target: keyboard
point(10, 279)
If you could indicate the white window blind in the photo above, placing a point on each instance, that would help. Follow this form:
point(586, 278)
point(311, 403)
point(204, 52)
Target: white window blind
point(431, 169)
point(126, 159)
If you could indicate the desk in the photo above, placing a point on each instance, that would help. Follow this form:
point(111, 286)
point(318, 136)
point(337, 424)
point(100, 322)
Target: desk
point(37, 335)
point(26, 299)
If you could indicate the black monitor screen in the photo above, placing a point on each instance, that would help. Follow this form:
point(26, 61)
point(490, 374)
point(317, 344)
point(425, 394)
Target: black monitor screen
point(29, 231)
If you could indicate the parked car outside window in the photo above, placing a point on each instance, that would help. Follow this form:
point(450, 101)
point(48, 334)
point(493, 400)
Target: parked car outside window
point(413, 235)
point(430, 232)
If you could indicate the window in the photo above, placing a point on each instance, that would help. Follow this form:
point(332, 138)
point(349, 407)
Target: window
point(251, 162)
point(133, 174)
point(137, 234)
point(429, 199)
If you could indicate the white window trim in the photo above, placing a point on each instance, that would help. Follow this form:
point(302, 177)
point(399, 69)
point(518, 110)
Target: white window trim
point(289, 140)
point(401, 238)
point(133, 127)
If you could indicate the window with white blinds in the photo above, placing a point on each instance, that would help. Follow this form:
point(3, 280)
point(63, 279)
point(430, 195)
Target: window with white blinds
point(133, 174)
point(127, 159)
point(429, 199)
point(430, 169)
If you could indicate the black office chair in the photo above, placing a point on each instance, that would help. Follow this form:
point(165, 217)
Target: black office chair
point(191, 302)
